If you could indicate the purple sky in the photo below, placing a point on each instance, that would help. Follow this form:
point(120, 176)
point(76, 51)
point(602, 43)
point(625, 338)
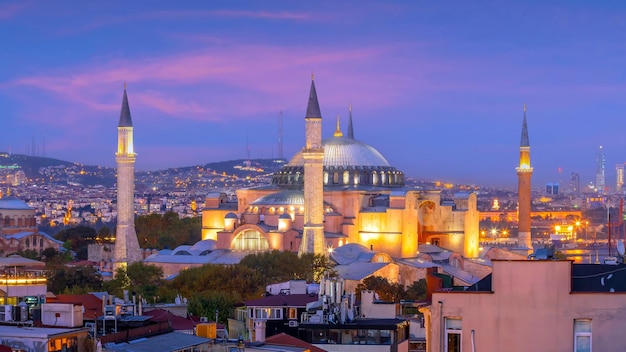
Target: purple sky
point(436, 86)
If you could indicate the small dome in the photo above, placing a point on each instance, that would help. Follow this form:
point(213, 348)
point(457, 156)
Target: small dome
point(231, 215)
point(284, 216)
point(11, 203)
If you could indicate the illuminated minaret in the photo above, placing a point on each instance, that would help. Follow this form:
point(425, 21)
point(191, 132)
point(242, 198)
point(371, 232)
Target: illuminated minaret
point(313, 154)
point(524, 172)
point(127, 249)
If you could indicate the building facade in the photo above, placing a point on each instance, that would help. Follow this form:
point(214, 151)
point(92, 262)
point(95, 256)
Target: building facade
point(18, 229)
point(364, 201)
point(532, 306)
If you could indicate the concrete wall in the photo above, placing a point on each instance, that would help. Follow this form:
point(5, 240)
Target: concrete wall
point(531, 309)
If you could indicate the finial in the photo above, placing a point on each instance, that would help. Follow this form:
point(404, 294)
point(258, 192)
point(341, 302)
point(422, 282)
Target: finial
point(524, 107)
point(312, 76)
point(124, 85)
point(338, 132)
point(350, 108)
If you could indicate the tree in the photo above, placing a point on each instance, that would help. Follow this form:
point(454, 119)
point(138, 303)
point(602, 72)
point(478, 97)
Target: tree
point(77, 239)
point(416, 291)
point(386, 291)
point(143, 279)
point(208, 303)
point(81, 279)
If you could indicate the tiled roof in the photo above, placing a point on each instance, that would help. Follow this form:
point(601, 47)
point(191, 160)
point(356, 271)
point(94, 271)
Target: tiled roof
point(283, 339)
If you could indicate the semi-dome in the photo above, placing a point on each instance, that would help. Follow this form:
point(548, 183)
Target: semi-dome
point(346, 152)
point(287, 197)
point(11, 203)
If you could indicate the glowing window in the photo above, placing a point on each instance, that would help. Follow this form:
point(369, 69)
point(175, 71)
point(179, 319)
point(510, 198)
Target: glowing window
point(250, 240)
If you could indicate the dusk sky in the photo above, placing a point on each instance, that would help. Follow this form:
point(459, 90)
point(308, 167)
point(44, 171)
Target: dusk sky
point(437, 87)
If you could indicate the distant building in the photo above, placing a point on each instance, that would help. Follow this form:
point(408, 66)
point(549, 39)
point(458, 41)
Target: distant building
point(619, 173)
point(574, 183)
point(552, 188)
point(18, 229)
point(600, 164)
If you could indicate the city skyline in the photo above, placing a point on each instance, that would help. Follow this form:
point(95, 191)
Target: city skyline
point(438, 89)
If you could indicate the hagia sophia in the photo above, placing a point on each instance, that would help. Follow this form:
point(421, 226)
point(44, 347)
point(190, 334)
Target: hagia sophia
point(338, 197)
point(367, 221)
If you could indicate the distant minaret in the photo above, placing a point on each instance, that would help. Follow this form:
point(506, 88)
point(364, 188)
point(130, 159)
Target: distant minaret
point(313, 154)
point(127, 249)
point(350, 128)
point(524, 172)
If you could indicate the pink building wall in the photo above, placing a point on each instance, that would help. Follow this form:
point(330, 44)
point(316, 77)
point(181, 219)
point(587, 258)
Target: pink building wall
point(531, 308)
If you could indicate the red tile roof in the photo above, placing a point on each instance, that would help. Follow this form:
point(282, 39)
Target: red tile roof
point(177, 322)
point(283, 339)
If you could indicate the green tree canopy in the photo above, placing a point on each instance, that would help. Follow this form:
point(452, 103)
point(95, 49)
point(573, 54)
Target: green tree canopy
point(65, 279)
point(143, 279)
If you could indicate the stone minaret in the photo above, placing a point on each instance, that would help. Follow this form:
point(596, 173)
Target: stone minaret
point(524, 172)
point(313, 154)
point(127, 249)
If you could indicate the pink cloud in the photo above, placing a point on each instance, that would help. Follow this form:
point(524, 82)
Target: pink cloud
point(273, 15)
point(231, 80)
point(12, 9)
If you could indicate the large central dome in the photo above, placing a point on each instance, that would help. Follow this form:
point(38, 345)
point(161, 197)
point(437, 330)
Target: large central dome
point(344, 152)
point(347, 163)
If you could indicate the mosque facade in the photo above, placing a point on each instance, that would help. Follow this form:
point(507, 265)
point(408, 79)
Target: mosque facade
point(359, 197)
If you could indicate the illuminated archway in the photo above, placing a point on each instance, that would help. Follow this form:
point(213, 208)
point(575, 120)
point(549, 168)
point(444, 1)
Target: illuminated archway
point(250, 240)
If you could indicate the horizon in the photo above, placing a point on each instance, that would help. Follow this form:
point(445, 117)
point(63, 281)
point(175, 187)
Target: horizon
point(438, 90)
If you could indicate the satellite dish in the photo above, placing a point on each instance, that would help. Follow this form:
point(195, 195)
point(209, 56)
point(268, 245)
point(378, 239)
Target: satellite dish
point(620, 248)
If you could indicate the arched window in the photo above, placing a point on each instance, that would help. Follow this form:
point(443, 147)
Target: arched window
point(250, 240)
point(335, 178)
point(346, 178)
point(325, 178)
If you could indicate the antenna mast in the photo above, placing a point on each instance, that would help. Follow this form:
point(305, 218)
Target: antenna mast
point(280, 135)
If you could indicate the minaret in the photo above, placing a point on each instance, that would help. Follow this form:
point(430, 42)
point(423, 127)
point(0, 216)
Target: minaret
point(313, 154)
point(350, 128)
point(524, 172)
point(127, 249)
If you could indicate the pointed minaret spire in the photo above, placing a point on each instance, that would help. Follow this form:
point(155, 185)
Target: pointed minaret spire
point(338, 132)
point(125, 120)
point(350, 129)
point(524, 141)
point(524, 174)
point(313, 106)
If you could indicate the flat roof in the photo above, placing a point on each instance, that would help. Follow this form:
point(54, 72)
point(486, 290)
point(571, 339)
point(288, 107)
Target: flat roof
point(7, 331)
